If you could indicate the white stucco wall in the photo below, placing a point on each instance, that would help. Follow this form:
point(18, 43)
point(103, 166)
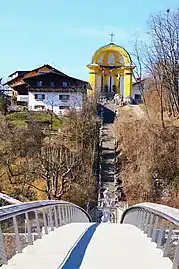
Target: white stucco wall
point(52, 100)
point(122, 85)
point(135, 90)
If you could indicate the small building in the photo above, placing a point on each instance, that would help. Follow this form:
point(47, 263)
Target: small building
point(138, 88)
point(46, 88)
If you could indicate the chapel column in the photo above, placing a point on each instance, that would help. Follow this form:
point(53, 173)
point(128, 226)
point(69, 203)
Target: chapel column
point(92, 80)
point(127, 82)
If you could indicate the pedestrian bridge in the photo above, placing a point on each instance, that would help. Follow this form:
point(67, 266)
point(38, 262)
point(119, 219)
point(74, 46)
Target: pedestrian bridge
point(58, 234)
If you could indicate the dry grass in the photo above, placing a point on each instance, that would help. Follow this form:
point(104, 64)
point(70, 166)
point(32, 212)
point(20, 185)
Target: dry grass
point(145, 150)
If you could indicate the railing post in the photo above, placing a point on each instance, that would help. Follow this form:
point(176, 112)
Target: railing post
point(18, 242)
point(51, 220)
point(160, 236)
point(72, 213)
point(29, 234)
point(165, 252)
point(141, 218)
point(71, 208)
point(143, 222)
point(63, 215)
point(45, 223)
point(68, 213)
point(150, 230)
point(37, 224)
point(59, 215)
point(137, 218)
point(55, 216)
point(146, 227)
point(155, 228)
point(176, 257)
point(74, 217)
point(2, 249)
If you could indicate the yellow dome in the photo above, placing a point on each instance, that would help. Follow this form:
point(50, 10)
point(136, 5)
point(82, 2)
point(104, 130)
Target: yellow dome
point(111, 55)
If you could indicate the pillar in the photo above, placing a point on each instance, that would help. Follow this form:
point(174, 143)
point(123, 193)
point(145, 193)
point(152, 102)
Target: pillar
point(121, 89)
point(105, 80)
point(92, 81)
point(127, 83)
point(116, 83)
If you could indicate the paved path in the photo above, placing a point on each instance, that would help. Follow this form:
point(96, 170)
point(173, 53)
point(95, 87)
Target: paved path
point(108, 149)
point(92, 246)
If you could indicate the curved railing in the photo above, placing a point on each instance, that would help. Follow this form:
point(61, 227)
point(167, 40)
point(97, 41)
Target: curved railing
point(22, 224)
point(159, 222)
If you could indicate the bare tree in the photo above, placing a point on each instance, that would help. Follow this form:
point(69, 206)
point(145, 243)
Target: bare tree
point(163, 57)
point(55, 164)
point(18, 145)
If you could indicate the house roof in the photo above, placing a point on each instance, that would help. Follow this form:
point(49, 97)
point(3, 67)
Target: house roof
point(142, 80)
point(44, 74)
point(20, 73)
point(53, 73)
point(50, 67)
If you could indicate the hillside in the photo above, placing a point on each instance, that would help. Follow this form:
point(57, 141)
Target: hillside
point(148, 156)
point(20, 118)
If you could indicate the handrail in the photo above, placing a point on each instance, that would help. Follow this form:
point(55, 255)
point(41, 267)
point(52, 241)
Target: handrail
point(26, 222)
point(169, 213)
point(159, 223)
point(14, 210)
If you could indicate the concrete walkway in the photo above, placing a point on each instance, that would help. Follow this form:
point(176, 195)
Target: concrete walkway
point(92, 246)
point(108, 150)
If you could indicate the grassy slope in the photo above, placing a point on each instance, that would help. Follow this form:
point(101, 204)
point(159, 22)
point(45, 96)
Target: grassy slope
point(20, 118)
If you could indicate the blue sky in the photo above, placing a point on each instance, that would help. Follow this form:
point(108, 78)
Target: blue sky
point(66, 33)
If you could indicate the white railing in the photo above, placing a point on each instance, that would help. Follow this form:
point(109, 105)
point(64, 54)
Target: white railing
point(160, 223)
point(22, 98)
point(21, 225)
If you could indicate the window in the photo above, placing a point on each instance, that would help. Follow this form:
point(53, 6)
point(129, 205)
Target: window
point(137, 96)
point(64, 97)
point(63, 107)
point(65, 84)
point(52, 84)
point(39, 107)
point(39, 83)
point(39, 97)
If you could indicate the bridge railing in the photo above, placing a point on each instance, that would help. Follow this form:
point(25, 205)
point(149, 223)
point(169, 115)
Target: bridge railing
point(22, 224)
point(160, 223)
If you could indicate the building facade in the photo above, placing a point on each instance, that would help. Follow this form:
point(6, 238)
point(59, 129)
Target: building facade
point(58, 102)
point(46, 88)
point(138, 89)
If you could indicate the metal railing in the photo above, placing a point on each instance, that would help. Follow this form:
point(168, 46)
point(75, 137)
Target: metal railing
point(21, 225)
point(160, 223)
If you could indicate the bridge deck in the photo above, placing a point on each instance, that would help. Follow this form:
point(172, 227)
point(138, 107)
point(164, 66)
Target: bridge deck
point(92, 246)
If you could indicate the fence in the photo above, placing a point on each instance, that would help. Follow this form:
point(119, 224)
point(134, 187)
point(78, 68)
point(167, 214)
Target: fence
point(21, 225)
point(160, 223)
